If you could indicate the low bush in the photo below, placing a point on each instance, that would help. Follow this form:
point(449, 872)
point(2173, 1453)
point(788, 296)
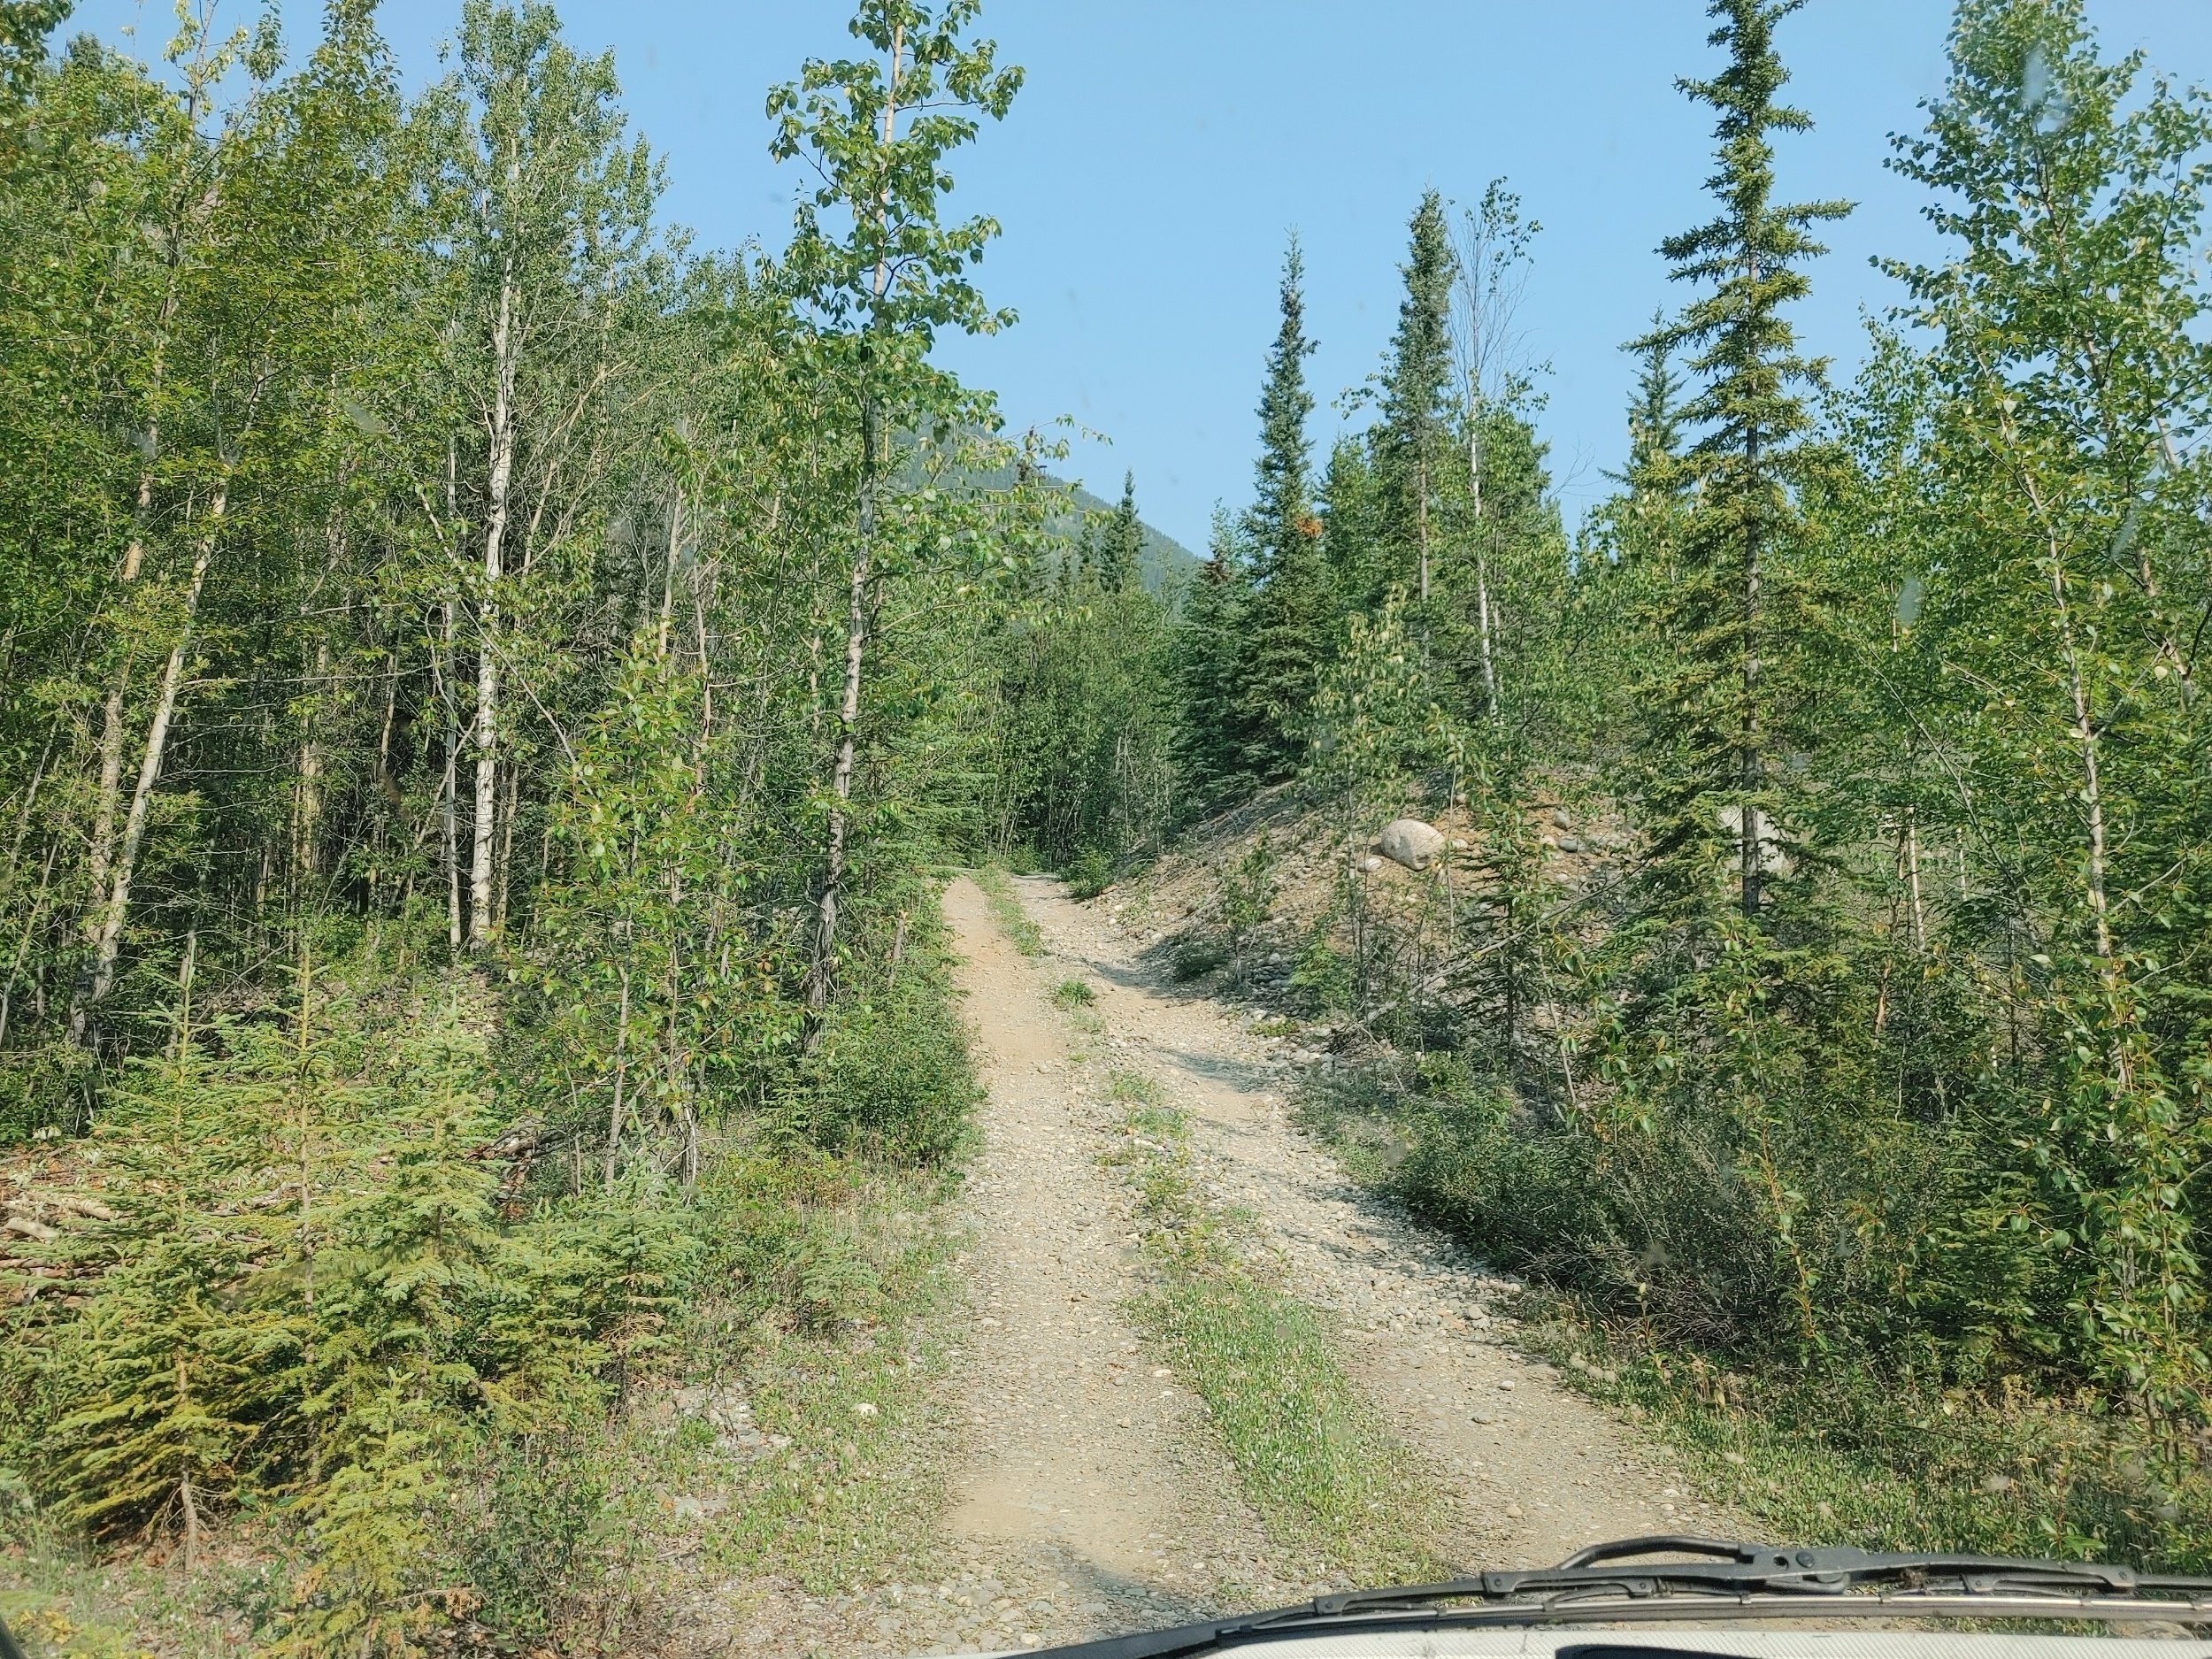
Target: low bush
point(893, 1080)
point(1090, 874)
point(314, 1292)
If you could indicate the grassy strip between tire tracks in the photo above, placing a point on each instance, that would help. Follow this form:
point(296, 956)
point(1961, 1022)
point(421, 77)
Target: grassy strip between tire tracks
point(1006, 909)
point(1316, 1461)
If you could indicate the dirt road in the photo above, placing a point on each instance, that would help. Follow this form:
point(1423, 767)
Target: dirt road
point(1090, 1491)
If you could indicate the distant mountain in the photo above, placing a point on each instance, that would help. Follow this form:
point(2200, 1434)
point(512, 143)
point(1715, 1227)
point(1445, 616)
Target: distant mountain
point(1165, 559)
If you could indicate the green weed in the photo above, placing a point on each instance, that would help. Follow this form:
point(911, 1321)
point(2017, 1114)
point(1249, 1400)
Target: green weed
point(1006, 909)
point(1315, 1459)
point(1133, 1087)
point(1091, 873)
point(849, 1497)
point(1073, 994)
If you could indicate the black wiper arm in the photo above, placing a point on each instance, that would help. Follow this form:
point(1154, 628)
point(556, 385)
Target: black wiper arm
point(1737, 1568)
point(1717, 1568)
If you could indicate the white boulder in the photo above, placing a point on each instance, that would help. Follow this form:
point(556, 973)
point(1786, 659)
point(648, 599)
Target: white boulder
point(1410, 842)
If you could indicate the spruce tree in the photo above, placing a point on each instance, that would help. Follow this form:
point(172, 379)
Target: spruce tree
point(1635, 524)
point(1723, 700)
point(1411, 441)
point(1120, 553)
point(1209, 745)
point(1654, 425)
point(1350, 515)
point(1286, 638)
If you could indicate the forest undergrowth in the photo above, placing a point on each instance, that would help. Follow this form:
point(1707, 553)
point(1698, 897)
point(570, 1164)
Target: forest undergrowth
point(359, 1378)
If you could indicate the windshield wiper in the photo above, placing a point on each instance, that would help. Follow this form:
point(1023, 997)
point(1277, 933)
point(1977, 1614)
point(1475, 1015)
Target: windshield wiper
point(1722, 1578)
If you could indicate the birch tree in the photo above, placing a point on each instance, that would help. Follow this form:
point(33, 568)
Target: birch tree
point(551, 206)
point(879, 274)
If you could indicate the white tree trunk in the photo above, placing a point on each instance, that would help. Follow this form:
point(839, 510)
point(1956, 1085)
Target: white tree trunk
point(821, 967)
point(115, 912)
point(111, 791)
point(501, 482)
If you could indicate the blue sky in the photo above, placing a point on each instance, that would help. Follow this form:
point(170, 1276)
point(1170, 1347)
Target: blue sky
point(1161, 151)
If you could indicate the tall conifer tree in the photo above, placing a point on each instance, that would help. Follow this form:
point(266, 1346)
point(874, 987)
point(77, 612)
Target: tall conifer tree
point(1121, 549)
point(1286, 635)
point(1414, 432)
point(1751, 412)
point(1209, 745)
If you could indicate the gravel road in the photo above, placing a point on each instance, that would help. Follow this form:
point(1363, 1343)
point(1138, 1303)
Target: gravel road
point(1536, 1470)
point(1089, 1492)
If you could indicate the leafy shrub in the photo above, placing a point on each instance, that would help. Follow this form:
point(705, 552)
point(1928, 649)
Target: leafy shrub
point(1091, 873)
point(786, 1229)
point(1323, 975)
point(538, 1532)
point(895, 1080)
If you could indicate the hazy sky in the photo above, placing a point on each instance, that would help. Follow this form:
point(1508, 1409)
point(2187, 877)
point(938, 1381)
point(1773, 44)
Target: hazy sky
point(1150, 169)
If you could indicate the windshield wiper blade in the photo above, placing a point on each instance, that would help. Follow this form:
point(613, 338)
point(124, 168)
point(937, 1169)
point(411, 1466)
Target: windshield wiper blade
point(1736, 1571)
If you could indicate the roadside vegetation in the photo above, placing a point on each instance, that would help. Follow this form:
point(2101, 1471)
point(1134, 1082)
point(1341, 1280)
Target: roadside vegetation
point(478, 1072)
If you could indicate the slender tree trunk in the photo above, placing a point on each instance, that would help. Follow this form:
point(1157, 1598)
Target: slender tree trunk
point(2084, 731)
point(448, 787)
point(110, 796)
point(1482, 616)
point(23, 818)
point(1750, 769)
point(23, 942)
point(823, 964)
point(1482, 565)
point(307, 815)
point(822, 967)
point(501, 482)
point(504, 863)
point(668, 576)
point(116, 909)
point(1421, 519)
point(621, 1077)
point(1912, 879)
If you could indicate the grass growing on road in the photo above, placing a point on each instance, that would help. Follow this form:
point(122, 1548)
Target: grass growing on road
point(1006, 909)
point(1317, 1462)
